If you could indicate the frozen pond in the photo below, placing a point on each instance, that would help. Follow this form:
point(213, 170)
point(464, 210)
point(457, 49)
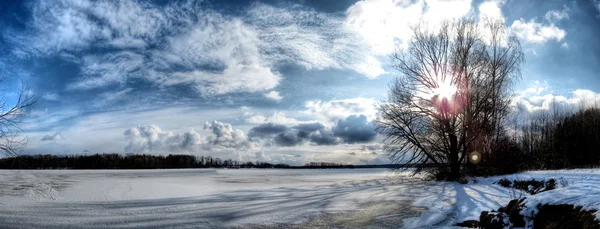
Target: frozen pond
point(208, 198)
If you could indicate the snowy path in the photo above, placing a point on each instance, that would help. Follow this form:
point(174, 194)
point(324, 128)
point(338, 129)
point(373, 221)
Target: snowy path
point(207, 199)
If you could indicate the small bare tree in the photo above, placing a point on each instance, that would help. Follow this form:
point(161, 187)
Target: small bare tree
point(11, 111)
point(452, 95)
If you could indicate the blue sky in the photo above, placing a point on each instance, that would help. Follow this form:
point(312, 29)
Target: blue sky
point(280, 81)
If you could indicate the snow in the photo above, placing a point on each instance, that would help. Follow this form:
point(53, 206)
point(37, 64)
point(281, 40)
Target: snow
point(452, 202)
point(206, 198)
point(257, 198)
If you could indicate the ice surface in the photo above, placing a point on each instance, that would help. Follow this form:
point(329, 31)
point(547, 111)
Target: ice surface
point(258, 198)
point(206, 198)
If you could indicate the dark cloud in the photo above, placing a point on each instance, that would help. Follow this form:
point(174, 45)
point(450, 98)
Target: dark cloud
point(282, 135)
point(267, 130)
point(324, 138)
point(303, 134)
point(309, 127)
point(287, 139)
point(55, 137)
point(355, 129)
point(352, 129)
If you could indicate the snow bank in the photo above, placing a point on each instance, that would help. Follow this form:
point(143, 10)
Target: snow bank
point(451, 203)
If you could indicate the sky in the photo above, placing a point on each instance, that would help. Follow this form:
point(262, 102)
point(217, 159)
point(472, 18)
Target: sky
point(278, 81)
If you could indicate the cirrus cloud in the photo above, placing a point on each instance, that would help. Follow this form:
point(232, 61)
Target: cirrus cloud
point(118, 42)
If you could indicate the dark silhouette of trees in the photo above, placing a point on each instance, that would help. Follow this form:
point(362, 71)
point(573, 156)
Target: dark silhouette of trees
point(10, 118)
point(118, 161)
point(452, 95)
point(553, 140)
point(115, 161)
point(144, 161)
point(132, 161)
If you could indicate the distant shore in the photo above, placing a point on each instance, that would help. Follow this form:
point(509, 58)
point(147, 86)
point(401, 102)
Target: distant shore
point(144, 161)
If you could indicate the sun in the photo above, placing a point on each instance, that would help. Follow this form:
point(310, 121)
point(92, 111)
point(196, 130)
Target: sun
point(444, 98)
point(445, 89)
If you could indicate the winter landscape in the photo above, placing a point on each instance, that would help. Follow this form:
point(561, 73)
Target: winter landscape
point(300, 114)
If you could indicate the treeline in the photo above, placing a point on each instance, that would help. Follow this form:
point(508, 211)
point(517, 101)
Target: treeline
point(118, 161)
point(330, 165)
point(144, 161)
point(548, 140)
point(556, 141)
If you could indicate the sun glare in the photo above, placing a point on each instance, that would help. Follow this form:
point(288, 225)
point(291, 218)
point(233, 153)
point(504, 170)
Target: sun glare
point(445, 89)
point(444, 98)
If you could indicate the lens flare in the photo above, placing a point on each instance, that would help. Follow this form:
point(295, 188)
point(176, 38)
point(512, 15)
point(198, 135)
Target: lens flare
point(474, 157)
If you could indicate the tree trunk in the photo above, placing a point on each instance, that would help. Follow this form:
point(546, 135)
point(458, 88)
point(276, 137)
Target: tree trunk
point(454, 162)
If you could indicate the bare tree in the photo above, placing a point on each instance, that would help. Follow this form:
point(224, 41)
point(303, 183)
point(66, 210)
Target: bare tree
point(451, 96)
point(11, 111)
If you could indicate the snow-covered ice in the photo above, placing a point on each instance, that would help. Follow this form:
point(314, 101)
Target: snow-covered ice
point(206, 198)
point(257, 198)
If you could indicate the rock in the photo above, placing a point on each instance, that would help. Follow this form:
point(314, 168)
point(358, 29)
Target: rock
point(469, 224)
point(493, 220)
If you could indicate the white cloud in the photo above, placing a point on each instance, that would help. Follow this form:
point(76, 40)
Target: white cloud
point(539, 32)
point(338, 109)
point(579, 98)
point(273, 95)
point(58, 26)
point(491, 9)
point(227, 43)
point(565, 45)
point(108, 127)
point(537, 88)
point(132, 23)
point(554, 16)
point(51, 96)
point(278, 117)
point(69, 25)
point(225, 137)
point(103, 70)
point(311, 39)
point(385, 24)
point(535, 32)
point(110, 96)
point(152, 139)
point(238, 78)
point(189, 44)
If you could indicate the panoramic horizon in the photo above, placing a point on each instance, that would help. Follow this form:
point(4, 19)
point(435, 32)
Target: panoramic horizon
point(274, 81)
